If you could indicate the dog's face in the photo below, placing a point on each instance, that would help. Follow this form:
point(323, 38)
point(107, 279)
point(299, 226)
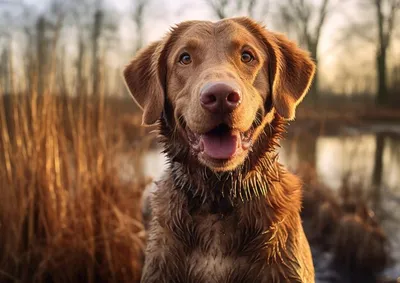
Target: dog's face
point(221, 80)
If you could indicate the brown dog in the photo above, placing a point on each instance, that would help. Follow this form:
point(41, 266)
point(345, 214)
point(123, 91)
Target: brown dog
point(226, 210)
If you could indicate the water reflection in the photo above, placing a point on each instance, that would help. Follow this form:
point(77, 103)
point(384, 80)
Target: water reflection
point(339, 157)
point(335, 157)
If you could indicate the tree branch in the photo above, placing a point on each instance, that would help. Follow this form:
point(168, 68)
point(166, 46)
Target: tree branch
point(219, 6)
point(381, 36)
point(302, 15)
point(359, 30)
point(138, 18)
point(395, 5)
point(250, 7)
point(322, 16)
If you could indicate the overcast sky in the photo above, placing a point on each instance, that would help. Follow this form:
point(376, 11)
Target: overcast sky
point(162, 14)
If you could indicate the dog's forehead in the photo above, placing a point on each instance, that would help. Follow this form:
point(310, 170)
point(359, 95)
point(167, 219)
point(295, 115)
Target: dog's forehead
point(224, 31)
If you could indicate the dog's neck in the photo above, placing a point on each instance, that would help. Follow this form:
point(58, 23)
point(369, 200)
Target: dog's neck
point(253, 179)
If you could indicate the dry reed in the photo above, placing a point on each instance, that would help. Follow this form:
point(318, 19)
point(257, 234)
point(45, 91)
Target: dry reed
point(65, 214)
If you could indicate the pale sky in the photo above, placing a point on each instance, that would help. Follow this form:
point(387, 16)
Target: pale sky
point(164, 13)
point(356, 57)
point(161, 14)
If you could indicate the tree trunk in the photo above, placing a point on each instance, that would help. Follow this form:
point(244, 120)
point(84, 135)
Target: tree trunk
point(41, 58)
point(313, 93)
point(382, 95)
point(383, 37)
point(4, 81)
point(97, 26)
point(30, 63)
point(80, 65)
point(138, 17)
point(63, 89)
point(11, 68)
point(378, 170)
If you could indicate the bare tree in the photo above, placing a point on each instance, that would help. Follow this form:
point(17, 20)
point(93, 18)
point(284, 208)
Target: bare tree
point(378, 29)
point(383, 22)
point(6, 69)
point(41, 53)
point(6, 56)
point(385, 25)
point(226, 8)
point(96, 33)
point(53, 24)
point(138, 18)
point(378, 169)
point(306, 20)
point(80, 64)
point(219, 7)
point(79, 11)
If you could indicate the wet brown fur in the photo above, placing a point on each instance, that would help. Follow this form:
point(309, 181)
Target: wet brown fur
point(240, 224)
point(263, 236)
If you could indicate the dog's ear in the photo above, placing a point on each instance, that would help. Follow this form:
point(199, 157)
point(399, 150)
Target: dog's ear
point(142, 76)
point(146, 75)
point(291, 69)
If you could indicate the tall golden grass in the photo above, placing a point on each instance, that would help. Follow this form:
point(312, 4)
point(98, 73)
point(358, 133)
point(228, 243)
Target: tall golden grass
point(65, 213)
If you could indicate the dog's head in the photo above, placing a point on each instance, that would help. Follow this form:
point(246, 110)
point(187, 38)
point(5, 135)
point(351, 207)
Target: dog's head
point(221, 80)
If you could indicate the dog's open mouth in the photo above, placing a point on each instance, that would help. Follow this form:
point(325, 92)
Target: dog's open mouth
point(221, 143)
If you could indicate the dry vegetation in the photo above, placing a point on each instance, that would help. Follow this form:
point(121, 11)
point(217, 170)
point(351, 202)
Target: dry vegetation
point(65, 214)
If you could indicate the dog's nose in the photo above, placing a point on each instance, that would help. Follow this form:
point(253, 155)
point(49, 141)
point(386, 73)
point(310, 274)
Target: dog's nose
point(220, 97)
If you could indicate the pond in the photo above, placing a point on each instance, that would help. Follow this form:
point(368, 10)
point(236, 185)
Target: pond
point(336, 157)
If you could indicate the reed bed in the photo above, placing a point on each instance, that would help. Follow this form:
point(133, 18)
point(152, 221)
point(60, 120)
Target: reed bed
point(66, 215)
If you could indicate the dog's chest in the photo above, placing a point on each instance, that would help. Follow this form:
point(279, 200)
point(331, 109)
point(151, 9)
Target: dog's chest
point(210, 266)
point(210, 259)
point(219, 256)
point(228, 252)
point(204, 244)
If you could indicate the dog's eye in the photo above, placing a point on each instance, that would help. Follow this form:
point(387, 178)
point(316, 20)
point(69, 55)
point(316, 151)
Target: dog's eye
point(247, 57)
point(185, 58)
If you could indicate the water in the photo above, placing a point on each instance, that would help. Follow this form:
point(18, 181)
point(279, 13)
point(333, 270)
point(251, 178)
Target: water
point(340, 156)
point(335, 158)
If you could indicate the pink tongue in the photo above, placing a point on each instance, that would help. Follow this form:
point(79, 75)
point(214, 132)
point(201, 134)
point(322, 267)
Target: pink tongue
point(220, 146)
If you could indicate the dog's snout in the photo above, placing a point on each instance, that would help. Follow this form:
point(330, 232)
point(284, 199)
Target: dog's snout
point(220, 97)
